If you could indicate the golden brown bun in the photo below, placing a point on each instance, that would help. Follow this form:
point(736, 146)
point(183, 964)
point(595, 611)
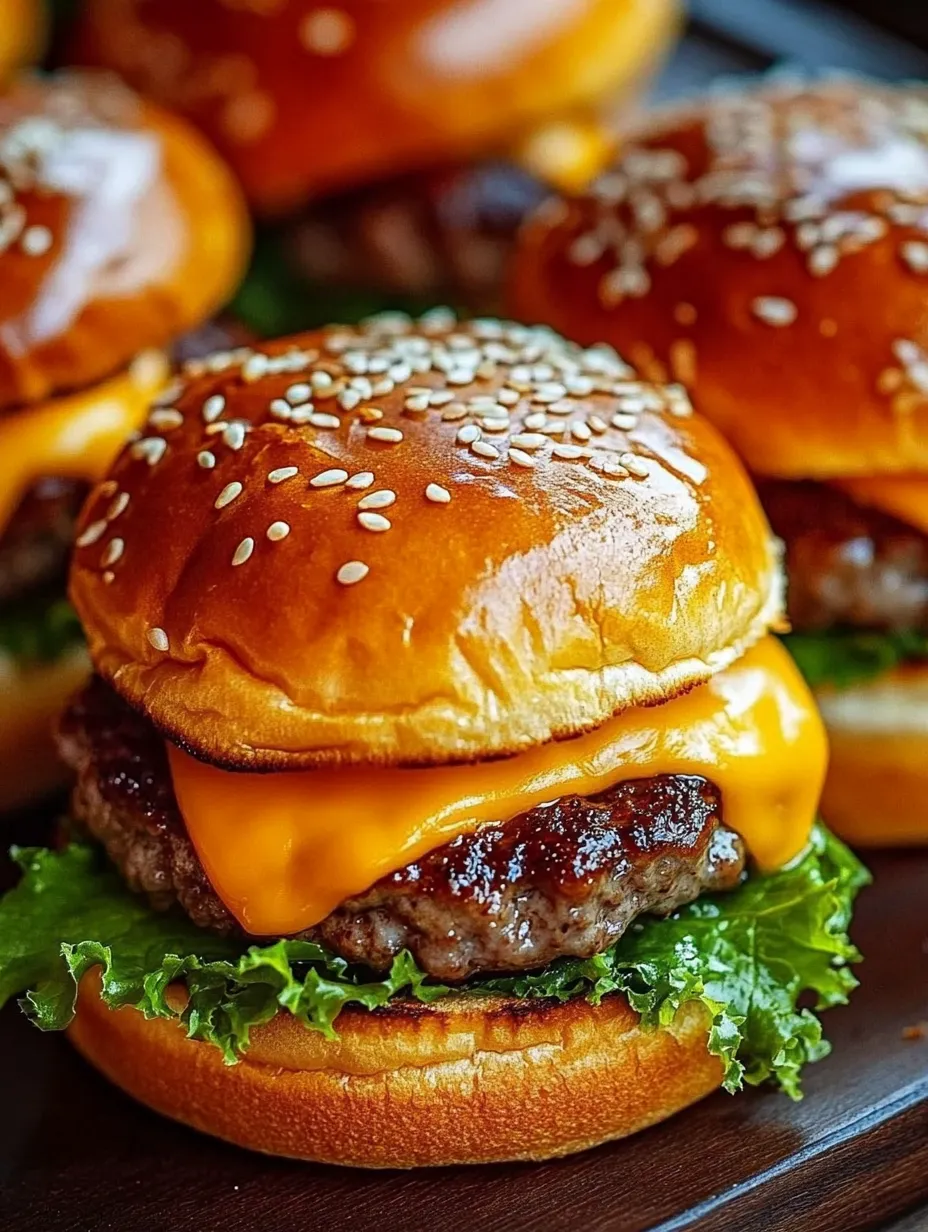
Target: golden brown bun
point(22, 29)
point(455, 1082)
point(799, 196)
point(876, 794)
point(124, 230)
point(304, 99)
point(30, 701)
point(510, 599)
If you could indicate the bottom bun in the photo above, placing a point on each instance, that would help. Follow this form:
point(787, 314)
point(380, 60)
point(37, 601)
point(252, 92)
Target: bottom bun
point(456, 1082)
point(876, 793)
point(30, 701)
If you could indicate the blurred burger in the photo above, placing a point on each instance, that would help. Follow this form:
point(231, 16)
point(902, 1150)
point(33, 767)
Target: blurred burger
point(22, 29)
point(432, 660)
point(421, 133)
point(119, 229)
point(770, 249)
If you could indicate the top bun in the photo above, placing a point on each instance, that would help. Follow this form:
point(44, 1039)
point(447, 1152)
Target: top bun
point(769, 249)
point(119, 229)
point(416, 543)
point(304, 99)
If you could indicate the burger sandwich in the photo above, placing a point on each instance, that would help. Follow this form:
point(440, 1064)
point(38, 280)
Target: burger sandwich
point(769, 248)
point(441, 795)
point(119, 229)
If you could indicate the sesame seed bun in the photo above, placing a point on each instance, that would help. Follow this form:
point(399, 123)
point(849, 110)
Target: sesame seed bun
point(876, 794)
point(396, 1089)
point(416, 543)
point(385, 87)
point(769, 249)
point(22, 30)
point(119, 229)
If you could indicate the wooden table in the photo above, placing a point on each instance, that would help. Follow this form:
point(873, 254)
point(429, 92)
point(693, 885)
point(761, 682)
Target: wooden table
point(80, 1157)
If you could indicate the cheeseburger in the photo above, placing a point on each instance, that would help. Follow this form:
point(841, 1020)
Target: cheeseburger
point(770, 249)
point(119, 229)
point(439, 770)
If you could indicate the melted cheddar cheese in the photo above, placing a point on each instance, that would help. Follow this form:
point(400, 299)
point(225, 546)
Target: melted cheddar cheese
point(75, 436)
point(282, 850)
point(903, 496)
point(566, 154)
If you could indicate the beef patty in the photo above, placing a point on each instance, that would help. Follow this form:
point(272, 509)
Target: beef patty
point(564, 879)
point(846, 564)
point(35, 543)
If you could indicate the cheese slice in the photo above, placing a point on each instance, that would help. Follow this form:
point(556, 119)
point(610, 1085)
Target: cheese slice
point(567, 153)
point(77, 435)
point(282, 850)
point(903, 496)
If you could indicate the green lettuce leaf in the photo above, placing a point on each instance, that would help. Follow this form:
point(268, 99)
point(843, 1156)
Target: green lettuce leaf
point(844, 657)
point(747, 956)
point(38, 629)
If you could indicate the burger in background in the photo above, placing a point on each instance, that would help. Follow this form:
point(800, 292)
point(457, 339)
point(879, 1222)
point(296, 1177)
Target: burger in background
point(432, 660)
point(416, 136)
point(22, 34)
point(119, 230)
point(769, 249)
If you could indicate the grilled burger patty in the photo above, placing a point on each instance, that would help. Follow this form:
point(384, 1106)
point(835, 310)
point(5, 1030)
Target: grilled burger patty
point(846, 564)
point(566, 878)
point(34, 545)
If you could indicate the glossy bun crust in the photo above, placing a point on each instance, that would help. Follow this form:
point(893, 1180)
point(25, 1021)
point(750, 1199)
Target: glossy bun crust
point(304, 98)
point(119, 229)
point(528, 540)
point(455, 1082)
point(876, 793)
point(770, 249)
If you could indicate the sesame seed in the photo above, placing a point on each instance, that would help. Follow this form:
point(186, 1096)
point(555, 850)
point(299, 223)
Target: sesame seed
point(614, 469)
point(417, 403)
point(468, 434)
point(281, 473)
point(321, 381)
point(320, 420)
point(374, 521)
point(165, 418)
point(440, 397)
point(348, 399)
point(213, 407)
point(435, 492)
point(158, 638)
point(352, 571)
point(391, 436)
point(484, 449)
point(255, 367)
point(685, 314)
point(529, 440)
point(228, 494)
point(243, 551)
point(93, 532)
point(299, 393)
point(36, 241)
point(108, 576)
point(508, 397)
point(329, 479)
point(370, 414)
point(151, 448)
point(206, 459)
point(915, 255)
point(597, 424)
point(773, 310)
point(280, 409)
point(277, 531)
point(117, 506)
point(568, 452)
point(521, 459)
point(634, 465)
point(536, 420)
point(456, 410)
point(624, 421)
point(381, 499)
point(363, 479)
point(234, 435)
point(822, 260)
point(112, 552)
point(326, 31)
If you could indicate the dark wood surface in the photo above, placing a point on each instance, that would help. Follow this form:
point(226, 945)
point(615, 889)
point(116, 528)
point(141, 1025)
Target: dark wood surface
point(80, 1157)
